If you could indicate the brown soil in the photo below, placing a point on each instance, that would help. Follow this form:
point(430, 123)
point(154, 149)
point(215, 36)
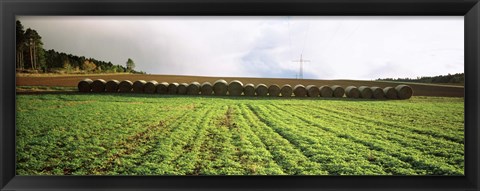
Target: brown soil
point(72, 81)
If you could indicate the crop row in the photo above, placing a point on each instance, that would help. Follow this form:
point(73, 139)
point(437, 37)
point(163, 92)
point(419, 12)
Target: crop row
point(416, 118)
point(436, 157)
point(337, 156)
point(82, 137)
point(113, 134)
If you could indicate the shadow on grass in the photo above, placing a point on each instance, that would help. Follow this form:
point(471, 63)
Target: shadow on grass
point(168, 96)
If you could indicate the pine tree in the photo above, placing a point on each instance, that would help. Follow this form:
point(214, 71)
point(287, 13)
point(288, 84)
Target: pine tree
point(20, 45)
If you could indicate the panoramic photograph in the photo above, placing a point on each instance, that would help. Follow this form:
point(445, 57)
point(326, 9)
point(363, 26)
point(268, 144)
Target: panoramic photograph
point(240, 95)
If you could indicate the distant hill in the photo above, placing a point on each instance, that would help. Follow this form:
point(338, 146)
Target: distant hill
point(458, 78)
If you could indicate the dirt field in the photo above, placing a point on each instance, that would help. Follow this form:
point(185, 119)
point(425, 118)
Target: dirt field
point(72, 80)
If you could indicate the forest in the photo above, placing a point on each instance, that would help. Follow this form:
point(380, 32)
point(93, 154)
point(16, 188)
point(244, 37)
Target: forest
point(31, 57)
point(458, 78)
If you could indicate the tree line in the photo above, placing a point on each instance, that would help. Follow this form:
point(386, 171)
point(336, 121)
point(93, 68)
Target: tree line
point(32, 57)
point(458, 78)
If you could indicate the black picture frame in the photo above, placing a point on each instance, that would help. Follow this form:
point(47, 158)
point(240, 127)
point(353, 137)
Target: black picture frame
point(470, 9)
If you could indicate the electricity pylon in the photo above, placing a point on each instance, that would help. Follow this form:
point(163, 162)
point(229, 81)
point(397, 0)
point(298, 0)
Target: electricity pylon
point(301, 61)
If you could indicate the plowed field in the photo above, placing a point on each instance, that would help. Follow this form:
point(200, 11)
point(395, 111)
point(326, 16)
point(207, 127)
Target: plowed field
point(72, 81)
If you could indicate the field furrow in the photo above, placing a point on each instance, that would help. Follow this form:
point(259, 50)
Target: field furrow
point(131, 151)
point(338, 155)
point(291, 159)
point(252, 154)
point(150, 134)
point(61, 130)
point(422, 162)
point(420, 142)
point(186, 162)
point(402, 117)
point(170, 147)
point(217, 153)
point(398, 133)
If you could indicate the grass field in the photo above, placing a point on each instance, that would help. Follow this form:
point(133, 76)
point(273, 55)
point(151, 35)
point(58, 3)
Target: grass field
point(137, 134)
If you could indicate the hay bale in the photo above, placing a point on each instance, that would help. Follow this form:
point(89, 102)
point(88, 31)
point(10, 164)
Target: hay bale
point(182, 88)
point(151, 87)
point(249, 90)
point(220, 87)
point(193, 88)
point(112, 86)
point(98, 85)
point(338, 91)
point(299, 91)
point(235, 88)
point(365, 92)
point(261, 90)
point(404, 91)
point(286, 90)
point(352, 92)
point(274, 90)
point(390, 92)
point(313, 91)
point(125, 86)
point(377, 93)
point(206, 89)
point(85, 85)
point(139, 86)
point(326, 91)
point(162, 88)
point(173, 88)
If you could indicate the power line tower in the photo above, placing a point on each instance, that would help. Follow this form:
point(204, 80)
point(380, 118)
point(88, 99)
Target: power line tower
point(301, 61)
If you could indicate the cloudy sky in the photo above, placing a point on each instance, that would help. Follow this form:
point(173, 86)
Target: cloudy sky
point(337, 47)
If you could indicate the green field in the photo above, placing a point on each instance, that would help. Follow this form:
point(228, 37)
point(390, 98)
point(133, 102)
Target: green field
point(129, 134)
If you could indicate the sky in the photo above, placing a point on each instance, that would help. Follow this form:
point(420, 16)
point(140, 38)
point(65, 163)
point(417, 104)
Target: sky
point(337, 47)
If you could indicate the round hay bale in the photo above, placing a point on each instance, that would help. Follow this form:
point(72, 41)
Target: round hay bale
point(139, 86)
point(286, 90)
point(299, 91)
point(85, 85)
point(193, 88)
point(404, 91)
point(151, 87)
point(352, 92)
point(326, 91)
point(338, 91)
point(261, 90)
point(249, 90)
point(162, 88)
point(182, 88)
point(206, 89)
point(98, 85)
point(377, 93)
point(173, 88)
point(313, 91)
point(390, 92)
point(365, 92)
point(125, 86)
point(235, 88)
point(220, 87)
point(112, 86)
point(274, 90)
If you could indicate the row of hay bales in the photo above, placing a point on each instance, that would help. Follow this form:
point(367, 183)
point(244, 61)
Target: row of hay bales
point(237, 88)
